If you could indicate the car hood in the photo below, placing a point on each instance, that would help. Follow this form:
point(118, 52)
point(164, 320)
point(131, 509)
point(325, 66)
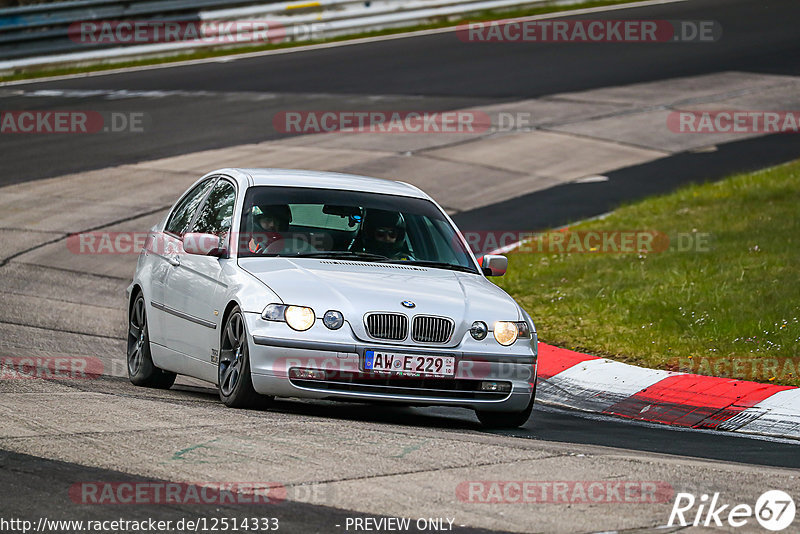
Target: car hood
point(355, 288)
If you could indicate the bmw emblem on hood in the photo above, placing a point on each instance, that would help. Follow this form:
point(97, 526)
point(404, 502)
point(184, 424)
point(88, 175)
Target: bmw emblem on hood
point(408, 304)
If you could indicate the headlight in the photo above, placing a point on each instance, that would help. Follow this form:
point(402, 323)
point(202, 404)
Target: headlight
point(299, 317)
point(333, 319)
point(505, 332)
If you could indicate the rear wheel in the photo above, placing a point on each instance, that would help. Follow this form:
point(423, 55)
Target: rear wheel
point(235, 383)
point(506, 419)
point(141, 370)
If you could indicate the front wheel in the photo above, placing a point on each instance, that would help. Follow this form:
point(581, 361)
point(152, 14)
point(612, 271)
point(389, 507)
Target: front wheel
point(141, 370)
point(500, 420)
point(235, 383)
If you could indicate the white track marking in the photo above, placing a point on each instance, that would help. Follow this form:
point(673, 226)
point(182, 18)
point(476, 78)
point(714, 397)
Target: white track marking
point(595, 385)
point(777, 415)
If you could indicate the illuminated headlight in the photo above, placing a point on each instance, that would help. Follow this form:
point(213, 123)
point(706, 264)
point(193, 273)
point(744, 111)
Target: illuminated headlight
point(297, 317)
point(479, 330)
point(505, 332)
point(333, 319)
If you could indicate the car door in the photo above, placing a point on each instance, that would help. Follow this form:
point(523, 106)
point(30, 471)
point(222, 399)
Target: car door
point(166, 249)
point(192, 284)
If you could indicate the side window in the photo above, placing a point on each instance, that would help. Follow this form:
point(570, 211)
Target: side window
point(182, 215)
point(216, 215)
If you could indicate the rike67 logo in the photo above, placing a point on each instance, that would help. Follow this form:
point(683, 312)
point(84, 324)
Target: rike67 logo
point(774, 510)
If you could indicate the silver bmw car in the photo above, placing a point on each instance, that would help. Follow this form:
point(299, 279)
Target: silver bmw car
point(284, 283)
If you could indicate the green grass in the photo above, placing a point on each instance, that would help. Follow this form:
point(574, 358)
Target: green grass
point(39, 72)
point(732, 310)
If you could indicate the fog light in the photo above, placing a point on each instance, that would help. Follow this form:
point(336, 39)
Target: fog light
point(307, 374)
point(478, 330)
point(333, 319)
point(500, 387)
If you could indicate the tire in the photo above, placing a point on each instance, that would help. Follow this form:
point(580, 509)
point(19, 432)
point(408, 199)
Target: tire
point(235, 383)
point(141, 370)
point(499, 420)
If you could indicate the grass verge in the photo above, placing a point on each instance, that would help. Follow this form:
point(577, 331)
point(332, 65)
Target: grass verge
point(728, 306)
point(34, 73)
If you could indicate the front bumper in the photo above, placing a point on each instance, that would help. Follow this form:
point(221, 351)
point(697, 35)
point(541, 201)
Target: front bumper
point(276, 352)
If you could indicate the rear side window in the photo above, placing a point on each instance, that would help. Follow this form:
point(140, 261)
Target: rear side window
point(182, 214)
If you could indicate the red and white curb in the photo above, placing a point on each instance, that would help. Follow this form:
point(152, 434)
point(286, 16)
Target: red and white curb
point(593, 384)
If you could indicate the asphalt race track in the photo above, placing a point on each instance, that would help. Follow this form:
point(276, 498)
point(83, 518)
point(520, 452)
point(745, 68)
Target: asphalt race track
point(430, 72)
point(220, 104)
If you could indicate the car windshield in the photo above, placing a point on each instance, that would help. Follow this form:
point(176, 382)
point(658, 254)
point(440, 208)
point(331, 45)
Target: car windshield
point(327, 223)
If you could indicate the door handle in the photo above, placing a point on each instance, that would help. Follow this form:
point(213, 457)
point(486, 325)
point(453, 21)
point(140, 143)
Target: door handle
point(175, 260)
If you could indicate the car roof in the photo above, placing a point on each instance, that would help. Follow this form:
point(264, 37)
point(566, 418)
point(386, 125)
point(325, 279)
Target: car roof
point(324, 180)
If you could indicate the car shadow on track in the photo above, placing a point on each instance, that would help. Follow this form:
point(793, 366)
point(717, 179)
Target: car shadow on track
point(375, 412)
point(550, 424)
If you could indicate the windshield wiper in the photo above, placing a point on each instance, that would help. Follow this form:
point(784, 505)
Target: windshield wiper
point(342, 254)
point(436, 264)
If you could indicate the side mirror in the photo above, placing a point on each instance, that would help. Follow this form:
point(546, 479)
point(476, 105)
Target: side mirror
point(203, 244)
point(493, 265)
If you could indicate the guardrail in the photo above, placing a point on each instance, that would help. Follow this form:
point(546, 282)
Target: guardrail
point(44, 35)
point(44, 28)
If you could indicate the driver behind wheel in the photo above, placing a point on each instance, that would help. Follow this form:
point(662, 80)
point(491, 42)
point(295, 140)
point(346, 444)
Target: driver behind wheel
point(384, 233)
point(269, 223)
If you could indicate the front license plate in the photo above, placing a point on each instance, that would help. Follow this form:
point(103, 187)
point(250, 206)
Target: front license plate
point(409, 364)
